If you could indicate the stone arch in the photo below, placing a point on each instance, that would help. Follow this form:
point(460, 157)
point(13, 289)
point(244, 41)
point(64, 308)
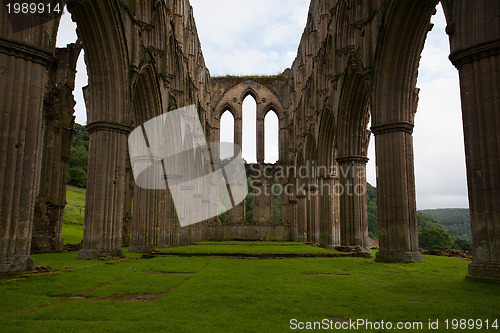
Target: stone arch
point(354, 115)
point(225, 107)
point(108, 122)
point(146, 96)
point(352, 148)
point(328, 182)
point(394, 99)
point(146, 225)
point(311, 188)
point(249, 91)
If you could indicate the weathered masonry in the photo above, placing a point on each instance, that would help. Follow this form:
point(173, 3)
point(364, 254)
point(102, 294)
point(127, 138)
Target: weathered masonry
point(357, 60)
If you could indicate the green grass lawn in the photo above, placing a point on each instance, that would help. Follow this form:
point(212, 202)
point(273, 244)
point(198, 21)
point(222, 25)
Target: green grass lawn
point(206, 294)
point(72, 231)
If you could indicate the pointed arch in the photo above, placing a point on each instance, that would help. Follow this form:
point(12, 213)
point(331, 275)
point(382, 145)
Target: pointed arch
point(249, 91)
point(353, 136)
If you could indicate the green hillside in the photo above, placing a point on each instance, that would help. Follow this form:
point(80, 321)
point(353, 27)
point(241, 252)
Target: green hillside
point(455, 220)
point(74, 213)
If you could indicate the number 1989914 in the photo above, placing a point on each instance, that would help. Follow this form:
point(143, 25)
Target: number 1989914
point(33, 8)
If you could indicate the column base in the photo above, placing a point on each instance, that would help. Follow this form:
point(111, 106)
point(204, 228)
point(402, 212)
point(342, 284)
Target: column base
point(361, 251)
point(93, 254)
point(484, 271)
point(397, 256)
point(17, 264)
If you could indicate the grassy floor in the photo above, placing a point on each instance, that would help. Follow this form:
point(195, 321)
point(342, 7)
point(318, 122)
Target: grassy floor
point(72, 231)
point(205, 294)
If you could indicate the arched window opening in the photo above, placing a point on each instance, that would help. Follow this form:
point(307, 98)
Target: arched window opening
point(271, 138)
point(249, 133)
point(226, 134)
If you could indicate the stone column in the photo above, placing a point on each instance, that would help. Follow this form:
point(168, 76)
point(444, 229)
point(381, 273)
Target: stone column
point(329, 222)
point(313, 228)
point(292, 215)
point(238, 131)
point(301, 217)
point(353, 208)
point(23, 76)
point(397, 219)
point(127, 207)
point(104, 202)
point(58, 122)
point(260, 139)
point(479, 70)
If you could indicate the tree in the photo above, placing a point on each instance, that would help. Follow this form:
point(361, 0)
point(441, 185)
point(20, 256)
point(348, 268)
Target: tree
point(462, 244)
point(77, 172)
point(77, 177)
point(434, 239)
point(371, 196)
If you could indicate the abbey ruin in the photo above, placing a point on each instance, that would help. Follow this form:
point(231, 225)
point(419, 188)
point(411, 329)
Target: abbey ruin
point(357, 60)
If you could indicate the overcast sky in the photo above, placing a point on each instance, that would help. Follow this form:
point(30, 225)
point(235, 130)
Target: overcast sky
point(241, 37)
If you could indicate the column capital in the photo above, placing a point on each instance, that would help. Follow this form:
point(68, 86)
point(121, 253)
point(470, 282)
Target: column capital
point(108, 126)
point(475, 52)
point(352, 159)
point(400, 126)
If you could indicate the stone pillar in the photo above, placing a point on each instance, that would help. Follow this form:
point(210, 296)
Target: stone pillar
point(397, 213)
point(260, 138)
point(301, 217)
point(58, 122)
point(238, 131)
point(23, 76)
point(353, 207)
point(104, 202)
point(292, 215)
point(127, 207)
point(479, 70)
point(313, 228)
point(329, 211)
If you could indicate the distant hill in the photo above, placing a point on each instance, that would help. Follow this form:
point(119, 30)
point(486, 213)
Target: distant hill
point(455, 220)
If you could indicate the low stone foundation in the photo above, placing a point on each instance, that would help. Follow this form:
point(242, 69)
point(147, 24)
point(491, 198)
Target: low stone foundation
point(249, 232)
